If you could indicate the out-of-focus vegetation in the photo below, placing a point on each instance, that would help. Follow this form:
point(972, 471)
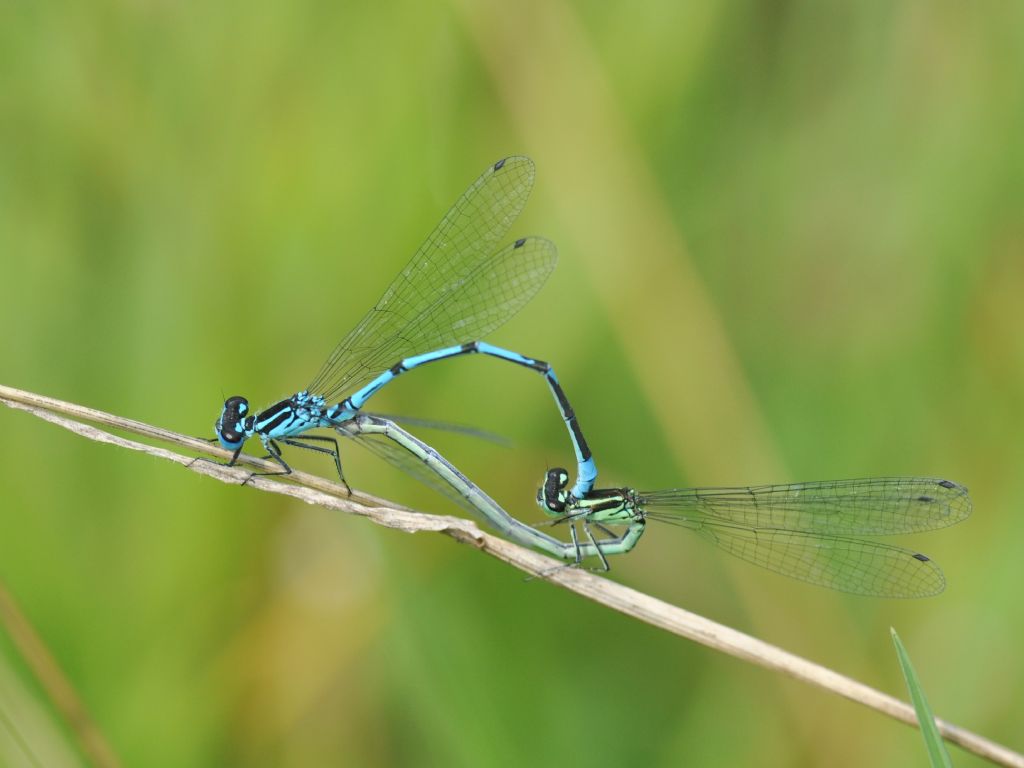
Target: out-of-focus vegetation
point(938, 756)
point(791, 248)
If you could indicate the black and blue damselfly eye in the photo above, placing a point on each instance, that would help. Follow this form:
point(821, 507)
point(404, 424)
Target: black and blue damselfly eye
point(552, 495)
point(229, 425)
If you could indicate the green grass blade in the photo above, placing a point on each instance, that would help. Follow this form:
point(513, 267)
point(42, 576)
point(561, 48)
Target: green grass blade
point(937, 754)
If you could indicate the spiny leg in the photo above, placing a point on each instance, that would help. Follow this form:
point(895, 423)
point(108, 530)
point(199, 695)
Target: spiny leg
point(273, 453)
point(597, 547)
point(571, 518)
point(576, 563)
point(575, 542)
point(334, 453)
point(229, 463)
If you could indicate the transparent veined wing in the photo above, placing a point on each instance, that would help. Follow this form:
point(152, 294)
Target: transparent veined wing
point(462, 491)
point(476, 433)
point(876, 506)
point(807, 530)
point(458, 287)
point(838, 562)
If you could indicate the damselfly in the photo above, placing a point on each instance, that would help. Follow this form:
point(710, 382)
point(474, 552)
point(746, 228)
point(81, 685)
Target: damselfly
point(809, 531)
point(458, 287)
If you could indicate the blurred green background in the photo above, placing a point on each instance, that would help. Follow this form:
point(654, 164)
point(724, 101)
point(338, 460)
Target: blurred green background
point(791, 248)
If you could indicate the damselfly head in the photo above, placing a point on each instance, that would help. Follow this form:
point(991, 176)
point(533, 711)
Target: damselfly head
point(552, 496)
point(230, 427)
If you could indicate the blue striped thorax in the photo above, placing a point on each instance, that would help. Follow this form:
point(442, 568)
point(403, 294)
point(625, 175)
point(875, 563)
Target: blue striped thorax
point(298, 413)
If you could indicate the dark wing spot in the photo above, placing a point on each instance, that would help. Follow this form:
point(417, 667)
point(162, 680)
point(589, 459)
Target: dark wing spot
point(519, 243)
point(947, 483)
point(926, 499)
point(500, 164)
point(922, 558)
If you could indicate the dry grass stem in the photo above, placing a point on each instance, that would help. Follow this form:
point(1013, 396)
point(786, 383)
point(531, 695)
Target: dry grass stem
point(640, 606)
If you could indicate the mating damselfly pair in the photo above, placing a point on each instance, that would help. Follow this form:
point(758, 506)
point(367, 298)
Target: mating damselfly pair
point(460, 285)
